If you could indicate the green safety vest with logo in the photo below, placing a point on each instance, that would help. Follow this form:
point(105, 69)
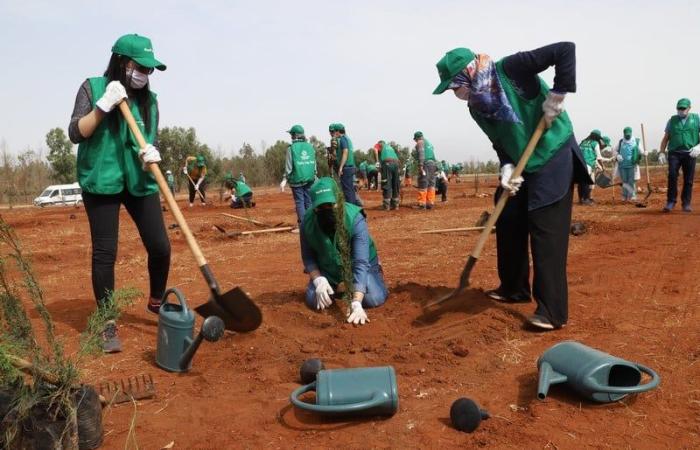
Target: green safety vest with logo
point(363, 166)
point(388, 152)
point(327, 254)
point(446, 167)
point(303, 163)
point(108, 161)
point(350, 162)
point(429, 152)
point(588, 149)
point(241, 188)
point(630, 155)
point(684, 136)
point(512, 138)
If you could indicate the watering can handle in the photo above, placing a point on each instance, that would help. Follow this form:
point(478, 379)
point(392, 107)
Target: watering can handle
point(655, 380)
point(180, 298)
point(378, 398)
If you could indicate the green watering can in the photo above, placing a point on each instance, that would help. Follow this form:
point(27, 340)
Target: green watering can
point(596, 375)
point(175, 332)
point(368, 391)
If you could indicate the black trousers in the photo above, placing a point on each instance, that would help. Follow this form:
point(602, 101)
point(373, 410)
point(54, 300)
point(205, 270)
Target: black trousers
point(441, 188)
point(103, 215)
point(202, 189)
point(584, 191)
point(391, 183)
point(547, 230)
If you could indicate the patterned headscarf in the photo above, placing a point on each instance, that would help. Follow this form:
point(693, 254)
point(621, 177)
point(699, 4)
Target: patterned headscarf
point(486, 95)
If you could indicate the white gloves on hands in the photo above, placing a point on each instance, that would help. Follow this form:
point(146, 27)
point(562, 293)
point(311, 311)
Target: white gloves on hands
point(323, 293)
point(662, 158)
point(695, 151)
point(184, 170)
point(510, 185)
point(197, 184)
point(114, 94)
point(283, 184)
point(619, 158)
point(378, 165)
point(357, 316)
point(148, 155)
point(553, 106)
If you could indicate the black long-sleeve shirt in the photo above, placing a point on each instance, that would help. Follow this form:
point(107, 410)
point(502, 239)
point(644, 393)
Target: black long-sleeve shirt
point(549, 184)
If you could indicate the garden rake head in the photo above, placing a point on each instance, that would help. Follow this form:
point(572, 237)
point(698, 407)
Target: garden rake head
point(126, 390)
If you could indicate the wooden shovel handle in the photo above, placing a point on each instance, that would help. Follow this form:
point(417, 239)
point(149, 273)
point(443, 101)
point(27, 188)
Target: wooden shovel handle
point(163, 186)
point(646, 153)
point(488, 226)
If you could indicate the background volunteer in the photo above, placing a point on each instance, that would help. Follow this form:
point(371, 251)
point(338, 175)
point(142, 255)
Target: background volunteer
point(424, 154)
point(299, 170)
point(195, 171)
point(388, 162)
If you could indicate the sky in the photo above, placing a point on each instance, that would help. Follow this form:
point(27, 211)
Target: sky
point(243, 71)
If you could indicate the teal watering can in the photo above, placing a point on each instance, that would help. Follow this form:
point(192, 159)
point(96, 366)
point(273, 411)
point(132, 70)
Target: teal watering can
point(595, 375)
point(175, 331)
point(366, 391)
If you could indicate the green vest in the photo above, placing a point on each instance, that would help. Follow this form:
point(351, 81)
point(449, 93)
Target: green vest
point(303, 163)
point(684, 136)
point(327, 255)
point(512, 138)
point(170, 179)
point(388, 152)
point(241, 189)
point(363, 166)
point(350, 162)
point(446, 167)
point(429, 152)
point(108, 160)
point(588, 149)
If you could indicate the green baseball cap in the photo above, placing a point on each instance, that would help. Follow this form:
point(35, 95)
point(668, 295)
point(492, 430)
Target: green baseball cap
point(340, 127)
point(596, 132)
point(417, 135)
point(683, 103)
point(606, 139)
point(296, 129)
point(627, 130)
point(331, 127)
point(138, 48)
point(201, 162)
point(323, 191)
point(450, 65)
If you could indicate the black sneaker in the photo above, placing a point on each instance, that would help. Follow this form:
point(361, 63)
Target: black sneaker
point(687, 208)
point(153, 305)
point(110, 339)
point(499, 297)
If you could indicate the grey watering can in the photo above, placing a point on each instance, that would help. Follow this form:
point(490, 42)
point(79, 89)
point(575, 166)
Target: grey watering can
point(175, 331)
point(596, 375)
point(361, 391)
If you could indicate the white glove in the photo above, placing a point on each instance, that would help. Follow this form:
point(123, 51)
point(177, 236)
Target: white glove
point(510, 185)
point(196, 185)
point(662, 158)
point(357, 315)
point(114, 94)
point(619, 158)
point(323, 293)
point(283, 184)
point(377, 165)
point(148, 155)
point(695, 151)
point(553, 106)
point(184, 170)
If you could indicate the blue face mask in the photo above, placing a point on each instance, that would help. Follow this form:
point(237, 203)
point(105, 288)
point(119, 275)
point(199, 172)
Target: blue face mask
point(682, 113)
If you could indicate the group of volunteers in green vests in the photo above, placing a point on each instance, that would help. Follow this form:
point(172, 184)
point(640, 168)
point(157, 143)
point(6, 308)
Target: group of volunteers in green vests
point(506, 98)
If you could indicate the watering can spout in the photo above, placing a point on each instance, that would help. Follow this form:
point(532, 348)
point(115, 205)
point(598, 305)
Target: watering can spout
point(548, 377)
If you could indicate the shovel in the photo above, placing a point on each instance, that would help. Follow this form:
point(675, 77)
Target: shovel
point(235, 307)
point(196, 189)
point(643, 203)
point(491, 221)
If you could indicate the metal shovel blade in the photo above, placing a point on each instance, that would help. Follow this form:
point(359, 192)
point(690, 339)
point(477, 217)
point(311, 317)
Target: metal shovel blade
point(463, 282)
point(235, 308)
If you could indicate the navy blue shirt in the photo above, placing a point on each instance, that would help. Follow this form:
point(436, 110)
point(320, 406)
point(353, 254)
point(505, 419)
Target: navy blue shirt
point(553, 181)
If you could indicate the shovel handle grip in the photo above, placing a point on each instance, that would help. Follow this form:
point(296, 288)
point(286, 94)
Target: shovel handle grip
point(524, 158)
point(163, 186)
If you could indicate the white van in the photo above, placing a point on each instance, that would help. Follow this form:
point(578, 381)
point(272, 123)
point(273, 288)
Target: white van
point(60, 194)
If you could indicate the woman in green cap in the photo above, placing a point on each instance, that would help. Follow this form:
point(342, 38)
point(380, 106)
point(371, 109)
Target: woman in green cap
point(195, 170)
point(682, 137)
point(112, 169)
point(320, 253)
point(627, 153)
point(507, 98)
point(241, 194)
point(299, 170)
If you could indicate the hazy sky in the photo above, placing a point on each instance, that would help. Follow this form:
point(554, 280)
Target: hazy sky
point(246, 71)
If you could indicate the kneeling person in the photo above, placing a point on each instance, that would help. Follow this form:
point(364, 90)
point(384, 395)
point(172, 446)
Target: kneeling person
point(322, 259)
point(241, 194)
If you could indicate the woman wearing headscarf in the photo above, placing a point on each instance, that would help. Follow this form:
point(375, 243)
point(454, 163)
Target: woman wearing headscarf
point(627, 154)
point(112, 169)
point(507, 98)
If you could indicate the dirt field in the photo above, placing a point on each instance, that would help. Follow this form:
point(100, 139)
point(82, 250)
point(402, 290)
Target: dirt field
point(634, 292)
